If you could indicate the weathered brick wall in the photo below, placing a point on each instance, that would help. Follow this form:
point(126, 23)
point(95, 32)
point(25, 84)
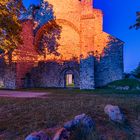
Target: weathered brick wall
point(110, 66)
point(22, 68)
point(25, 55)
point(53, 74)
point(26, 52)
point(23, 59)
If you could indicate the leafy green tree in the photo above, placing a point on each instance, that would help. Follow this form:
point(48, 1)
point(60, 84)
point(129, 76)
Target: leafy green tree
point(10, 26)
point(43, 17)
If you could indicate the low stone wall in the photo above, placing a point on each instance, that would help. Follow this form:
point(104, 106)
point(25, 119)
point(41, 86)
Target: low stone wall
point(53, 74)
point(7, 75)
point(10, 77)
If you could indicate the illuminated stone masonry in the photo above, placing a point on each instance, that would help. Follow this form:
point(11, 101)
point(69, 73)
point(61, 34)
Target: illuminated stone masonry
point(92, 57)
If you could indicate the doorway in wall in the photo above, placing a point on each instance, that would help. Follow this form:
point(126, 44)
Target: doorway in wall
point(1, 83)
point(27, 81)
point(69, 80)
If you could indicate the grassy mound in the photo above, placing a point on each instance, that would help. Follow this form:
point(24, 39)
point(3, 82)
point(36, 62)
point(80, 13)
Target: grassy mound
point(131, 83)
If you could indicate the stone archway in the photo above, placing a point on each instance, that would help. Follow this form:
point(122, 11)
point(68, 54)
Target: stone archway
point(39, 33)
point(75, 78)
point(2, 70)
point(69, 79)
point(69, 42)
point(69, 49)
point(28, 83)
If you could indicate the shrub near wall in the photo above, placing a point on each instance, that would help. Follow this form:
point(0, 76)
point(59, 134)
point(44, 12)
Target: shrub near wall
point(125, 84)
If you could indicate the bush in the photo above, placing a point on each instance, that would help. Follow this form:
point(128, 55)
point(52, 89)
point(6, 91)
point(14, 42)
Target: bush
point(137, 71)
point(131, 83)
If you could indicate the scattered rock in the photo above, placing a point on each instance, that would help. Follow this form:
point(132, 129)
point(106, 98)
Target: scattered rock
point(82, 127)
point(114, 113)
point(123, 88)
point(83, 119)
point(37, 136)
point(62, 134)
point(119, 87)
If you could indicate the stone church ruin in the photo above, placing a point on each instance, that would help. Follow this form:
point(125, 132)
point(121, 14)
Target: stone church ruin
point(86, 57)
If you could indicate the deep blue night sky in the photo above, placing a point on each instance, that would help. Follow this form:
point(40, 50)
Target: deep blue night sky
point(118, 16)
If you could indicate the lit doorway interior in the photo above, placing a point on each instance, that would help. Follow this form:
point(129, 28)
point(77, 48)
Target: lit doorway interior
point(69, 80)
point(1, 83)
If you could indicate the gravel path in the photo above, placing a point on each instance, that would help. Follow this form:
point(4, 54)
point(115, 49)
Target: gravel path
point(22, 94)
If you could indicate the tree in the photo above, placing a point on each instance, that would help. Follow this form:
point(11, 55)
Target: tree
point(10, 26)
point(137, 71)
point(49, 41)
point(137, 24)
point(41, 15)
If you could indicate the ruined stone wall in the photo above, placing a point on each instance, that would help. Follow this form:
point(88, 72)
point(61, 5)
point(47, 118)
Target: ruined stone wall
point(53, 74)
point(67, 15)
point(67, 9)
point(82, 34)
point(87, 73)
point(26, 52)
point(69, 41)
point(25, 56)
point(7, 75)
point(80, 23)
point(2, 72)
point(110, 66)
point(22, 68)
point(10, 76)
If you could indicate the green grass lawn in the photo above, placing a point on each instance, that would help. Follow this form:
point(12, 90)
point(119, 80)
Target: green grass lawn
point(20, 117)
point(104, 90)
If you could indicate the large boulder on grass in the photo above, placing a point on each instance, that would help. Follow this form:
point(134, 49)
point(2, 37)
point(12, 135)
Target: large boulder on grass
point(114, 113)
point(83, 119)
point(82, 127)
point(37, 136)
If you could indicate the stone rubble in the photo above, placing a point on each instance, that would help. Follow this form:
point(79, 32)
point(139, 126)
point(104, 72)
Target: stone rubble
point(86, 124)
point(61, 134)
point(37, 136)
point(114, 113)
point(82, 127)
point(83, 119)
